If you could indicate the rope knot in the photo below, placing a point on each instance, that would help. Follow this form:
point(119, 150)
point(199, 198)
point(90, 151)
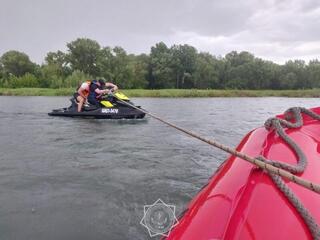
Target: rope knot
point(269, 123)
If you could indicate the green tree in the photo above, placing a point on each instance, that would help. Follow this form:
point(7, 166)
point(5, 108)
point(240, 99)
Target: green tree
point(139, 67)
point(1, 74)
point(17, 63)
point(76, 78)
point(161, 74)
point(288, 80)
point(120, 68)
point(83, 54)
point(237, 59)
point(244, 71)
point(178, 66)
point(293, 75)
point(51, 76)
point(313, 70)
point(105, 63)
point(206, 71)
point(58, 58)
point(257, 73)
point(55, 70)
point(114, 66)
point(183, 64)
point(60, 61)
point(27, 80)
point(238, 69)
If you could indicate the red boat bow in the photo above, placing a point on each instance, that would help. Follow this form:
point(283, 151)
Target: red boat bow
point(242, 202)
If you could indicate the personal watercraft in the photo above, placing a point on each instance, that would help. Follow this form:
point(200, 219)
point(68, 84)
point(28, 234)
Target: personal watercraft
point(115, 106)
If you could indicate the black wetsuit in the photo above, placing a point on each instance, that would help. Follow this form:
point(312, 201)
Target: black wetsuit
point(94, 98)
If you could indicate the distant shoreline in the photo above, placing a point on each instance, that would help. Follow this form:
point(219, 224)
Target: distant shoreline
point(306, 93)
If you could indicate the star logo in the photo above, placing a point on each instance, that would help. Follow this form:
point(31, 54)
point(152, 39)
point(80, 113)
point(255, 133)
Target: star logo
point(159, 218)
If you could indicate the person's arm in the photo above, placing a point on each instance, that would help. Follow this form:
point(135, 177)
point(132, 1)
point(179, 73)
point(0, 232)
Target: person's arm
point(113, 86)
point(99, 91)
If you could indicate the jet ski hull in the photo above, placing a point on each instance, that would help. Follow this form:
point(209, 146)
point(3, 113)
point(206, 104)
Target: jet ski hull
point(117, 106)
point(101, 113)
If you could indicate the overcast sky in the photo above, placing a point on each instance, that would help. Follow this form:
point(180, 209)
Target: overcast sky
point(276, 30)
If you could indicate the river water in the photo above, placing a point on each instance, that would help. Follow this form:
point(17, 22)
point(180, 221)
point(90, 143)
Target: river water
point(65, 178)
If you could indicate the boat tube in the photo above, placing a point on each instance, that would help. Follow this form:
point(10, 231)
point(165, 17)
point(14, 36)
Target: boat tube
point(241, 201)
point(115, 106)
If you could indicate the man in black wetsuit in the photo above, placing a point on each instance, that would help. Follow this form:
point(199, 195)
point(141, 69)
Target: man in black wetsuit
point(97, 90)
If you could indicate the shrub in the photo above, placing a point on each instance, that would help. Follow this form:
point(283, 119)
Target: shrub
point(27, 80)
point(75, 79)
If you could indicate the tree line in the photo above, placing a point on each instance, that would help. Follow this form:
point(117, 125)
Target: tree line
point(178, 66)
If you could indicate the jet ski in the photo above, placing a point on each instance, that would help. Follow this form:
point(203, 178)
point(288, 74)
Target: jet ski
point(114, 106)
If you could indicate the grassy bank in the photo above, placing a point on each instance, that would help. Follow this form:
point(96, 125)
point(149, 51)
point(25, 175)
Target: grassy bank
point(169, 92)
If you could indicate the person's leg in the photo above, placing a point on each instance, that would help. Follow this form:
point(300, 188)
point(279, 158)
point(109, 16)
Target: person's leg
point(80, 100)
point(93, 101)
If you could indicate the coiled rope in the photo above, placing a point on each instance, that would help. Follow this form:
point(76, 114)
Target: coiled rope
point(279, 124)
point(275, 169)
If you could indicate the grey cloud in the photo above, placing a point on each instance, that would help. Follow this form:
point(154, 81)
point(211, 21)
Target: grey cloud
point(286, 22)
point(216, 17)
point(288, 27)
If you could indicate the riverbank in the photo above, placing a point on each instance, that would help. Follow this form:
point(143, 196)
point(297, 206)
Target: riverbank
point(169, 92)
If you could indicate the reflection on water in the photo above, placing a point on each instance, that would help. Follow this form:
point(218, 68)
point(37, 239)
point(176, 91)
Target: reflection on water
point(65, 178)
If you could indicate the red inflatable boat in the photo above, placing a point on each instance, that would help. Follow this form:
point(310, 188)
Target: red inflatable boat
point(241, 201)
